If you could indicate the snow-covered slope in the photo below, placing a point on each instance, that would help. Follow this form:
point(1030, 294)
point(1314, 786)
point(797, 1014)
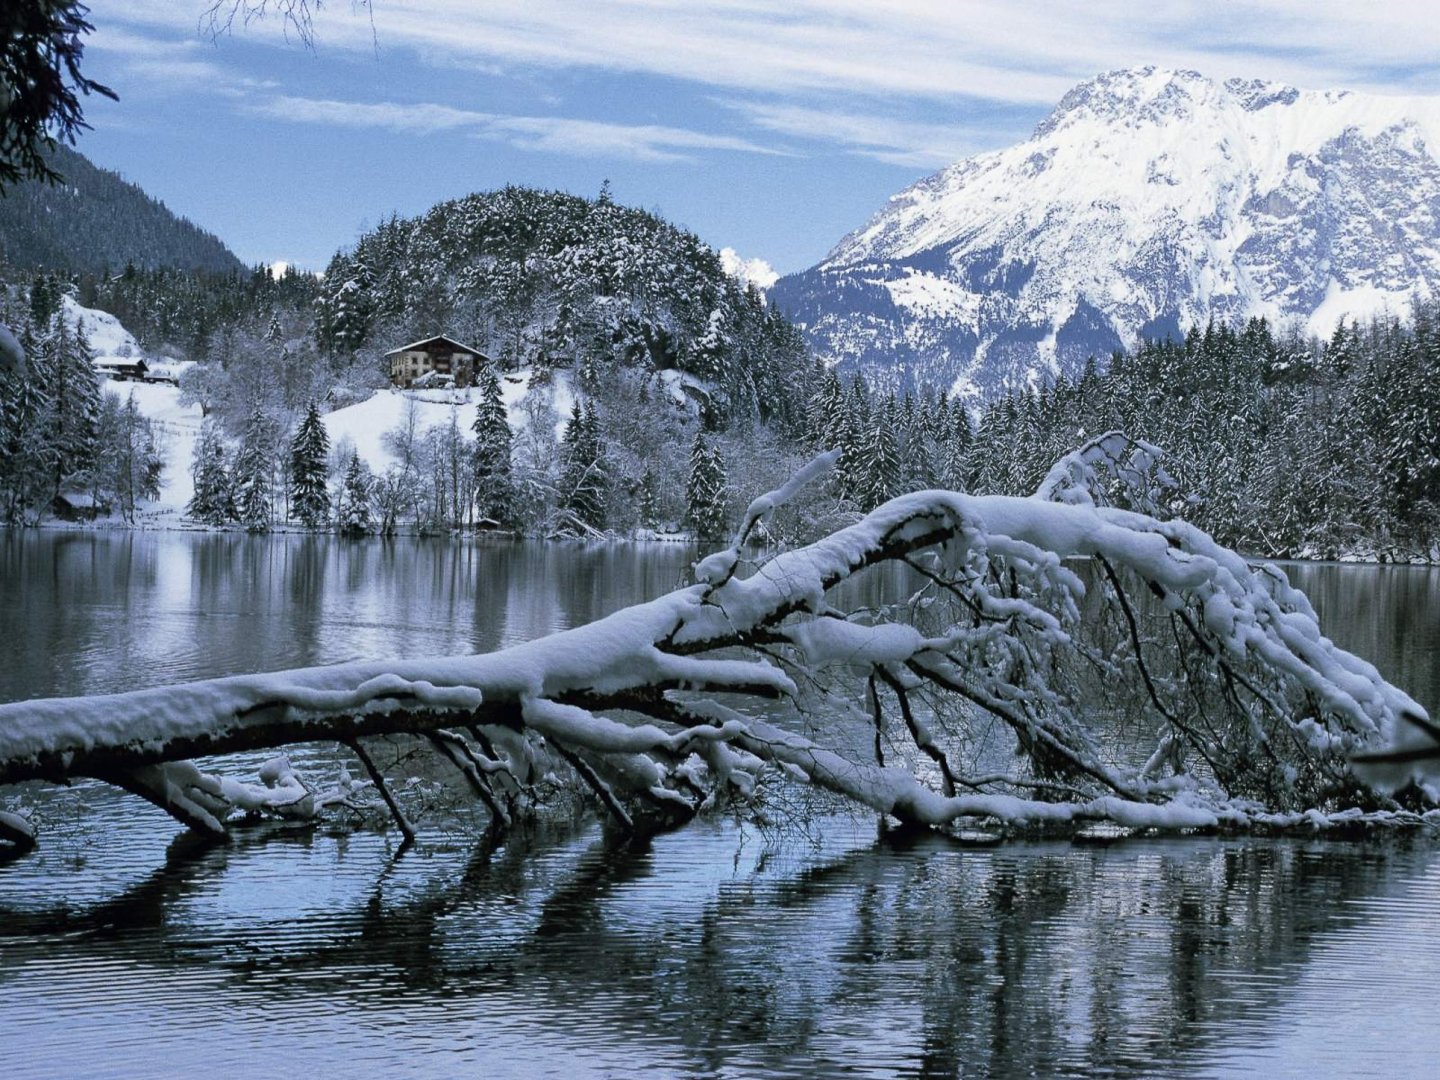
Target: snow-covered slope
point(1148, 201)
point(179, 427)
point(106, 335)
point(364, 427)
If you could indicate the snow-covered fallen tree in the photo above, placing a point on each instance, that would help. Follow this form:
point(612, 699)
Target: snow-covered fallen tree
point(1048, 661)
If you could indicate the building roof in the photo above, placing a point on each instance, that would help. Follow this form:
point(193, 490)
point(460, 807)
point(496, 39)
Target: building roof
point(137, 362)
point(459, 346)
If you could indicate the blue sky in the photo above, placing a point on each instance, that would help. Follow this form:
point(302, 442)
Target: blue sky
point(769, 127)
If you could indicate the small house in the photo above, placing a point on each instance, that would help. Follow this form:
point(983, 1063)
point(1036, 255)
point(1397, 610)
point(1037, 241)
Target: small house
point(78, 506)
point(122, 368)
point(436, 359)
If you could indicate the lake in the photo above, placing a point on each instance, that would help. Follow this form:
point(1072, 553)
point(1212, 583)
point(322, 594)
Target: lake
point(129, 949)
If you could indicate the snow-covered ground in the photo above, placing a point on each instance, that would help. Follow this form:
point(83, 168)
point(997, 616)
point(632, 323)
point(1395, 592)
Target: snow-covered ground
point(107, 336)
point(364, 426)
point(179, 428)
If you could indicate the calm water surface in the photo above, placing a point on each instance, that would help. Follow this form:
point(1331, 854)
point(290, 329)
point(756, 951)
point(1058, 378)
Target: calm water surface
point(127, 949)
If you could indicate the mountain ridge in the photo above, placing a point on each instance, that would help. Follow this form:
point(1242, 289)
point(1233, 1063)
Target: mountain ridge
point(94, 221)
point(1147, 201)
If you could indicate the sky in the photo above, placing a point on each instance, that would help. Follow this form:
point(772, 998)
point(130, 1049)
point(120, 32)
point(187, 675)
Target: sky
point(772, 127)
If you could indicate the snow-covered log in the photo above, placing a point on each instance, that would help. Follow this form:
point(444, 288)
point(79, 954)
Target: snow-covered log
point(1050, 660)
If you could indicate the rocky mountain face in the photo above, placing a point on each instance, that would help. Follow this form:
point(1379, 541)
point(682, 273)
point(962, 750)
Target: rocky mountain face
point(1147, 202)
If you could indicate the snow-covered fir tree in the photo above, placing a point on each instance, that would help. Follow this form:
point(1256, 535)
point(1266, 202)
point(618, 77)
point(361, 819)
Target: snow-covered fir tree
point(353, 516)
point(74, 393)
point(584, 479)
point(213, 502)
point(254, 468)
point(705, 492)
point(129, 463)
point(648, 499)
point(880, 478)
point(490, 458)
point(309, 479)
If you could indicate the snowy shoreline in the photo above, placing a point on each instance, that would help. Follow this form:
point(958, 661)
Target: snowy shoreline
point(168, 521)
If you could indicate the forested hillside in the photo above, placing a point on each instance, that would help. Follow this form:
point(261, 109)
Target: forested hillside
point(667, 360)
point(1280, 445)
point(94, 221)
point(546, 278)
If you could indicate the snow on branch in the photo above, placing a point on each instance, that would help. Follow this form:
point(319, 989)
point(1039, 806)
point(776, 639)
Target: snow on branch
point(1034, 662)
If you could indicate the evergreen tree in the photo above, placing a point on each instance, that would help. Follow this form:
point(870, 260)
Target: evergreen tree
point(309, 469)
point(254, 464)
point(852, 438)
point(955, 456)
point(74, 393)
point(214, 500)
point(495, 495)
point(649, 499)
point(705, 491)
point(880, 480)
point(354, 518)
point(583, 471)
point(825, 412)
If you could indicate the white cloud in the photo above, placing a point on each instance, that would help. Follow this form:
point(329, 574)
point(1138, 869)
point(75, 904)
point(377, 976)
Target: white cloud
point(750, 271)
point(555, 134)
point(845, 70)
point(933, 49)
point(883, 137)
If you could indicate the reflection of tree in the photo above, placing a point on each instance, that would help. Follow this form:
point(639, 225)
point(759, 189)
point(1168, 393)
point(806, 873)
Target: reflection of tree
point(1011, 961)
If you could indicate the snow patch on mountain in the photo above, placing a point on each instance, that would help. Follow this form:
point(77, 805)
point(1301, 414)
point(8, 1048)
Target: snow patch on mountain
point(1149, 201)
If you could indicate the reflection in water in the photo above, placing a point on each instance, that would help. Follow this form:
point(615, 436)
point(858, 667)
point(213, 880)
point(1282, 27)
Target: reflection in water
point(700, 954)
point(95, 612)
point(126, 950)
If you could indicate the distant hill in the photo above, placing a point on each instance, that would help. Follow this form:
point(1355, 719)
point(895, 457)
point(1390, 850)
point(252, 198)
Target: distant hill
point(543, 278)
point(1148, 202)
point(95, 221)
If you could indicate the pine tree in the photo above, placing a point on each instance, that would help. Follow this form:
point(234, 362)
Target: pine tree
point(584, 479)
point(880, 476)
point(649, 499)
point(354, 517)
point(214, 500)
point(955, 456)
point(309, 461)
point(74, 393)
point(495, 495)
point(253, 466)
point(825, 412)
point(705, 491)
point(852, 438)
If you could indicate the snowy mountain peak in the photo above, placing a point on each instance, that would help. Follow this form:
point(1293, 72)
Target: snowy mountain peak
point(1150, 200)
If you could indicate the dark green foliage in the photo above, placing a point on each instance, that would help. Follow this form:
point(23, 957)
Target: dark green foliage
point(490, 456)
point(187, 311)
point(539, 278)
point(880, 478)
point(309, 471)
point(214, 500)
point(96, 223)
point(49, 421)
point(705, 491)
point(584, 477)
point(1283, 446)
point(41, 84)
